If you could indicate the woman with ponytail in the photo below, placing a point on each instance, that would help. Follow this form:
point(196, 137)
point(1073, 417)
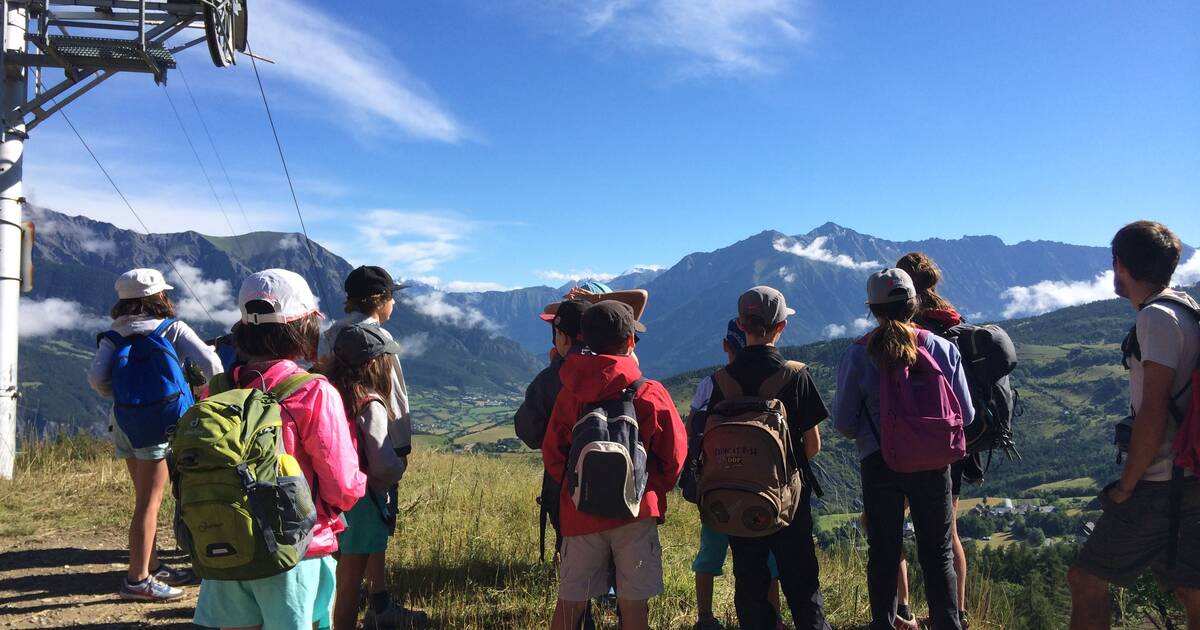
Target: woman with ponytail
point(937, 315)
point(897, 344)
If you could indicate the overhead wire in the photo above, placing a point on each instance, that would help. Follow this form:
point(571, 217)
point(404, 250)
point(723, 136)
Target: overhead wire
point(213, 144)
point(182, 279)
point(200, 163)
point(283, 160)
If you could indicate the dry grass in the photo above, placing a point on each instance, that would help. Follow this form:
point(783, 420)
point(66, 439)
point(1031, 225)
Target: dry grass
point(466, 549)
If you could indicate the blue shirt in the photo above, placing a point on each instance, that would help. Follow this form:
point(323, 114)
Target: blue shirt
point(858, 391)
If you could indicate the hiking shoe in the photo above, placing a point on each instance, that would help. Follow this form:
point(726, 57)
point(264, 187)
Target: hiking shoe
point(149, 590)
point(171, 576)
point(708, 624)
point(905, 620)
point(962, 620)
point(397, 617)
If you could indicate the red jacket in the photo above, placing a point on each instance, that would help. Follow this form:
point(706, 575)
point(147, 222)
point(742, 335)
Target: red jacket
point(590, 378)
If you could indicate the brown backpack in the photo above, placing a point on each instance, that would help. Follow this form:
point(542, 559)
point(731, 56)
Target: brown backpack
point(749, 482)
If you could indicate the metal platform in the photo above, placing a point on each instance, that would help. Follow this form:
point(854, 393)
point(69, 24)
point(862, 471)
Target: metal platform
point(115, 54)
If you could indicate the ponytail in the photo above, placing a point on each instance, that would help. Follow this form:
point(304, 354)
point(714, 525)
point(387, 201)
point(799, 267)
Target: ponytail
point(893, 343)
point(925, 275)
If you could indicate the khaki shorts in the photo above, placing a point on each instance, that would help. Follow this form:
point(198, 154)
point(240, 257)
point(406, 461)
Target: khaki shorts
point(634, 550)
point(1132, 536)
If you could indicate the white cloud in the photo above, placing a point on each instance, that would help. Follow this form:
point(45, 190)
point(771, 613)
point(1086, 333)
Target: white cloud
point(195, 295)
point(575, 275)
point(643, 269)
point(417, 242)
point(434, 306)
point(862, 324)
point(348, 68)
point(709, 37)
point(41, 318)
point(857, 327)
point(1188, 273)
point(787, 275)
point(1049, 295)
point(413, 345)
point(833, 331)
point(466, 286)
point(817, 251)
point(84, 236)
point(290, 241)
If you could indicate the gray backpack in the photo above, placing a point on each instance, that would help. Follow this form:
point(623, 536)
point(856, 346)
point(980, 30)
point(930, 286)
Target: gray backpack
point(606, 467)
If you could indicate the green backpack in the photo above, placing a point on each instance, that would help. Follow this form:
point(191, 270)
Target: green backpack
point(243, 509)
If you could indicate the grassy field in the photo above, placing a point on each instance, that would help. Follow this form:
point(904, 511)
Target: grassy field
point(466, 549)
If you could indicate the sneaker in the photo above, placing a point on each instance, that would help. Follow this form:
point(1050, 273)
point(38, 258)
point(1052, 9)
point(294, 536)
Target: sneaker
point(395, 617)
point(708, 624)
point(149, 590)
point(171, 576)
point(962, 620)
point(905, 620)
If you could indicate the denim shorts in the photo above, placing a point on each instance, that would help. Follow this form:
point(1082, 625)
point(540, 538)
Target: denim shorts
point(292, 600)
point(122, 449)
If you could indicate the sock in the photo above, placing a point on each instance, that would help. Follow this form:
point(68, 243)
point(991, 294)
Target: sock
point(380, 601)
point(136, 582)
point(903, 611)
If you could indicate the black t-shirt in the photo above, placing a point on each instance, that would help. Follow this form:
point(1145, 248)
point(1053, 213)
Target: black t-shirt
point(801, 398)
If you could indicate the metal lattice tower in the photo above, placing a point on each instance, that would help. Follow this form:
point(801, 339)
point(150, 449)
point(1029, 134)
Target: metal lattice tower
point(88, 41)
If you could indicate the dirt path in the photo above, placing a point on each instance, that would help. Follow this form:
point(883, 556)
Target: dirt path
point(70, 580)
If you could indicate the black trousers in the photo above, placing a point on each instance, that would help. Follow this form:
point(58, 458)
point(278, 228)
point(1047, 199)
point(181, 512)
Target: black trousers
point(928, 494)
point(799, 576)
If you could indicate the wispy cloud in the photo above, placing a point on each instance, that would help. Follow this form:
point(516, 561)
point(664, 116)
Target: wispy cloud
point(413, 345)
point(816, 250)
point(347, 67)
point(707, 37)
point(200, 298)
point(1188, 273)
point(575, 275)
point(42, 318)
point(467, 286)
point(414, 242)
point(291, 241)
point(787, 275)
point(434, 306)
point(1049, 295)
point(76, 234)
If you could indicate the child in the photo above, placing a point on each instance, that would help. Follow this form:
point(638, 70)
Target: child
point(605, 373)
point(142, 308)
point(890, 350)
point(361, 370)
point(280, 325)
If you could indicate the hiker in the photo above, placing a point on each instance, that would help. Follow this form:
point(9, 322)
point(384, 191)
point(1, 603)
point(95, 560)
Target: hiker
point(915, 383)
point(362, 370)
point(1152, 512)
point(714, 546)
point(280, 326)
point(937, 315)
point(144, 326)
point(640, 458)
point(774, 407)
point(905, 618)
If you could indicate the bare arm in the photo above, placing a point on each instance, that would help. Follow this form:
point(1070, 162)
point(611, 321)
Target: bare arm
point(812, 442)
point(1151, 424)
point(636, 298)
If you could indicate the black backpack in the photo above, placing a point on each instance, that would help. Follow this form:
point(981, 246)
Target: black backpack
point(606, 466)
point(988, 357)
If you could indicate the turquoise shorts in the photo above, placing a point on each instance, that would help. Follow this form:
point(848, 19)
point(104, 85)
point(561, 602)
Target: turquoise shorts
point(122, 449)
point(292, 600)
point(366, 531)
point(714, 546)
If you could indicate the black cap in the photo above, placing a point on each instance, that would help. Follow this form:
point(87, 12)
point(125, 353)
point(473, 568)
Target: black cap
point(358, 344)
point(567, 316)
point(367, 281)
point(608, 323)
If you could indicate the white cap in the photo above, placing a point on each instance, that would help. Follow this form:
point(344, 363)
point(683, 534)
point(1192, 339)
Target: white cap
point(284, 290)
point(140, 283)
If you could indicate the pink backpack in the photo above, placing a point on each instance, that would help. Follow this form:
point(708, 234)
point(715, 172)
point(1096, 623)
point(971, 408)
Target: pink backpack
point(919, 415)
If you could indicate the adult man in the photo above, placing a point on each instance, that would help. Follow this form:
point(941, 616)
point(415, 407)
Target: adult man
point(1152, 513)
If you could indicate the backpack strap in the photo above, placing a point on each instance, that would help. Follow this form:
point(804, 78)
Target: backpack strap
point(220, 383)
point(113, 337)
point(288, 386)
point(162, 327)
point(775, 383)
point(728, 385)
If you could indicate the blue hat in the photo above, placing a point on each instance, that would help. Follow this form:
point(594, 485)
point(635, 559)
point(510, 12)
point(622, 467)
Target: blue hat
point(592, 286)
point(735, 336)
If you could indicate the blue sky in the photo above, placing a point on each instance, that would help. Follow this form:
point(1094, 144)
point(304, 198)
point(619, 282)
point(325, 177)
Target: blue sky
point(518, 142)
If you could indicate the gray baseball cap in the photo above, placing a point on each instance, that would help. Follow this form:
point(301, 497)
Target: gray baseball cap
point(890, 285)
point(356, 345)
point(766, 303)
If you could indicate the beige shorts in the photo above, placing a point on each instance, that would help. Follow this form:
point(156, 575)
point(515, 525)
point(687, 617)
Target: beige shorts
point(634, 550)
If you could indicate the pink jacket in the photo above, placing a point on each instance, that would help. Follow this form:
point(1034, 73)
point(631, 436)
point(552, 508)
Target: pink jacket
point(315, 421)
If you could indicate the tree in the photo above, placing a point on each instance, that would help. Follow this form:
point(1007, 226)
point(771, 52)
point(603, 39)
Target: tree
point(1034, 536)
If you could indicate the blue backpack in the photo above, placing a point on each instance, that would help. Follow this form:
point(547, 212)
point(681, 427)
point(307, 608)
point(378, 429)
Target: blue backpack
point(150, 391)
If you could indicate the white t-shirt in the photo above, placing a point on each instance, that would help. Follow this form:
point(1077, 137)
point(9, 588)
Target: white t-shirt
point(1167, 335)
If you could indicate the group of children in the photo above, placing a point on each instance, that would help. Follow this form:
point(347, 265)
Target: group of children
point(348, 430)
point(614, 447)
